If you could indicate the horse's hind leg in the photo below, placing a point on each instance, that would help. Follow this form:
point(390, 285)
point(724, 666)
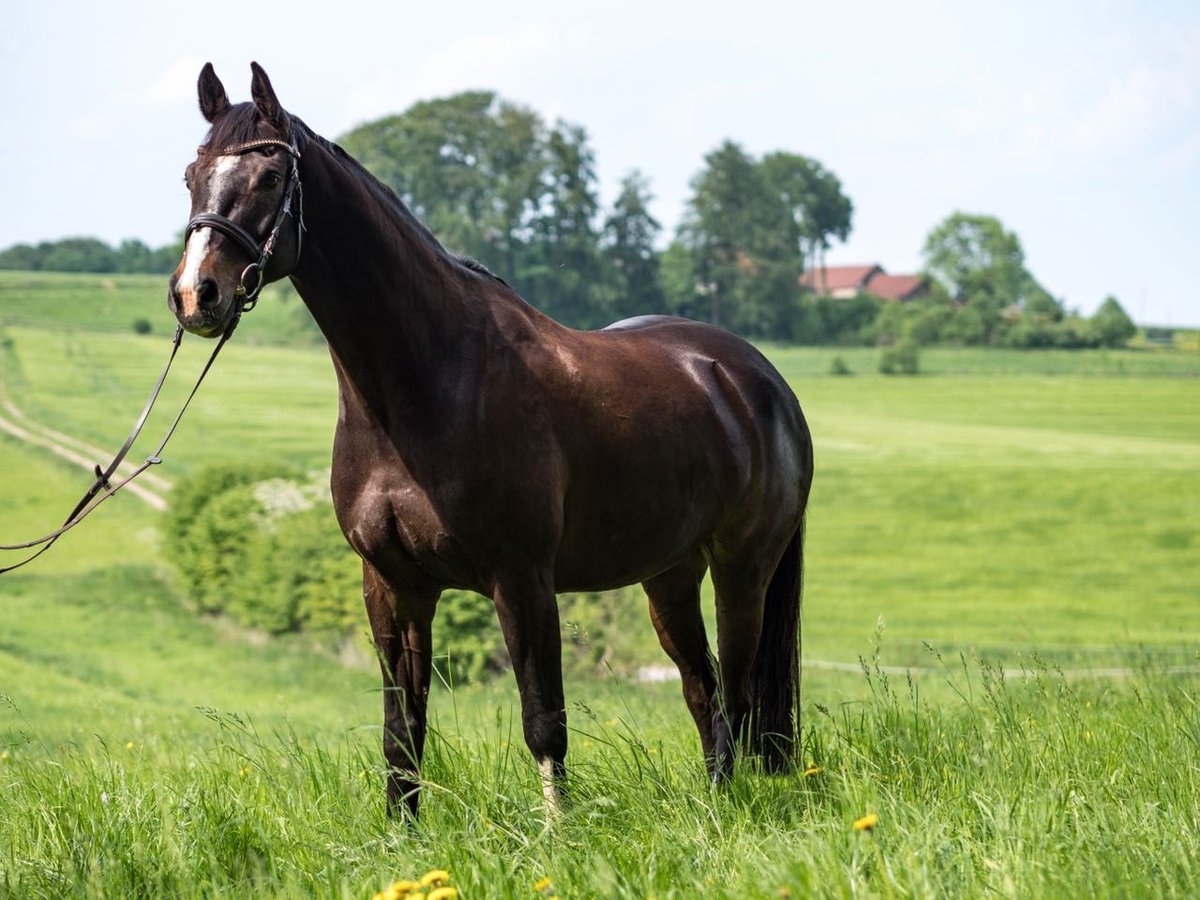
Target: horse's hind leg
point(740, 591)
point(675, 611)
point(528, 613)
point(401, 624)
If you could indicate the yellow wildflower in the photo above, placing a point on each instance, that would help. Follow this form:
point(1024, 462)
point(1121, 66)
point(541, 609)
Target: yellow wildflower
point(542, 883)
point(433, 876)
point(395, 891)
point(442, 893)
point(866, 823)
point(129, 745)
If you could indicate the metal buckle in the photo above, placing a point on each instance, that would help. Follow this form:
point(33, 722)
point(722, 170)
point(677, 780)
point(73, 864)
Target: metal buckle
point(250, 295)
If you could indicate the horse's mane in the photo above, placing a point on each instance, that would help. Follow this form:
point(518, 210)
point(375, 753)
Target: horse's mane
point(241, 123)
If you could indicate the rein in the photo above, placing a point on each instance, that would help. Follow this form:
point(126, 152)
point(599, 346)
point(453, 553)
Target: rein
point(103, 487)
point(245, 298)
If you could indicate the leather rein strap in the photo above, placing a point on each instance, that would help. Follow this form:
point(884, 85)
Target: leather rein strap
point(244, 298)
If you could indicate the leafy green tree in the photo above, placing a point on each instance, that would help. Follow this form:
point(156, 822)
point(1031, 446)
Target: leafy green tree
point(133, 256)
point(80, 255)
point(1111, 326)
point(813, 195)
point(743, 242)
point(470, 166)
point(491, 180)
point(982, 268)
point(24, 257)
point(566, 276)
point(677, 278)
point(628, 245)
point(90, 255)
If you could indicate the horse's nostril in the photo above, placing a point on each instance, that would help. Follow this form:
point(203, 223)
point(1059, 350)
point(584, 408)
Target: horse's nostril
point(207, 293)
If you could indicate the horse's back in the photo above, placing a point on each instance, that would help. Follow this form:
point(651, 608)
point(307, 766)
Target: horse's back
point(679, 432)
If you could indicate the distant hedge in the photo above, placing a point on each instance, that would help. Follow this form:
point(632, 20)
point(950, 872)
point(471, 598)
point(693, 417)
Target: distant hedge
point(260, 545)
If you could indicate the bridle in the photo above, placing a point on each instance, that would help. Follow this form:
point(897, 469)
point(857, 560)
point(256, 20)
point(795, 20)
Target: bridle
point(245, 295)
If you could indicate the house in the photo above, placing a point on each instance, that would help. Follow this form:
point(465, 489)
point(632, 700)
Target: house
point(896, 287)
point(843, 282)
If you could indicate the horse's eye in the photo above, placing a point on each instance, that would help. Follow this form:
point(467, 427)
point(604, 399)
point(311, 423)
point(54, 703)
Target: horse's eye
point(271, 179)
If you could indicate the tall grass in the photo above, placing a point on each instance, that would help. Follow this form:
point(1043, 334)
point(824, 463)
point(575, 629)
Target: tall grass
point(1027, 788)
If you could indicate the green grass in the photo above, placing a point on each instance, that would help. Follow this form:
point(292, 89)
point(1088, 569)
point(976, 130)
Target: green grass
point(1000, 511)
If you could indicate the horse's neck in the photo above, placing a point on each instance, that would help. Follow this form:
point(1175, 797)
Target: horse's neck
point(388, 300)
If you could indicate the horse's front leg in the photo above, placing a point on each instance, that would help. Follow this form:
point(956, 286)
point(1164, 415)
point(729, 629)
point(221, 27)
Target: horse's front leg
point(401, 624)
point(528, 613)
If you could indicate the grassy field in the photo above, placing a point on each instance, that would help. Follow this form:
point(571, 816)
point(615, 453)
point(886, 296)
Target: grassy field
point(999, 512)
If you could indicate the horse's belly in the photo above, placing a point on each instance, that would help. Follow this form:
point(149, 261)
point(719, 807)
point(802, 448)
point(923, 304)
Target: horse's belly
point(627, 540)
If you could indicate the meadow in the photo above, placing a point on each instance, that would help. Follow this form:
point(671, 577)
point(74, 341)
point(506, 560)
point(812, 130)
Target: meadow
point(1001, 633)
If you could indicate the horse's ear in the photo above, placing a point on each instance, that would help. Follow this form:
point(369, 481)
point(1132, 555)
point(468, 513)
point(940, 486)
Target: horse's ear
point(213, 99)
point(265, 99)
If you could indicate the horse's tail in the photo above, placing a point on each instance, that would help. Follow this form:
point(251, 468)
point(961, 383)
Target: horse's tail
point(775, 681)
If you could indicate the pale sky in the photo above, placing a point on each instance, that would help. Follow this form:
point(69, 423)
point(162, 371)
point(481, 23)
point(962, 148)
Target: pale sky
point(1077, 124)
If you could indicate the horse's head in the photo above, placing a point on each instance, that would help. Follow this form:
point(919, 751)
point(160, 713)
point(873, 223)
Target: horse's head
point(246, 224)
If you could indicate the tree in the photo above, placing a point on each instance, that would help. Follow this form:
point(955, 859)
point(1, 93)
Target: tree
point(1111, 325)
point(677, 277)
point(813, 196)
point(90, 255)
point(982, 268)
point(742, 240)
point(628, 245)
point(80, 255)
point(491, 180)
point(469, 165)
point(568, 281)
point(23, 256)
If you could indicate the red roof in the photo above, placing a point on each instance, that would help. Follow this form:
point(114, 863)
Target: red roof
point(895, 287)
point(870, 279)
point(838, 278)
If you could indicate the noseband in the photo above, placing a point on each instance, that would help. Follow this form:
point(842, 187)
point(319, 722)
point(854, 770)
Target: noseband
point(247, 295)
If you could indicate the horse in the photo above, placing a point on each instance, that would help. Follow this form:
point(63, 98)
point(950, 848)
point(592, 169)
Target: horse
point(481, 445)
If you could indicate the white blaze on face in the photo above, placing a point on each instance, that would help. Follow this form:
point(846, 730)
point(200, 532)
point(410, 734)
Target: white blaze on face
point(196, 249)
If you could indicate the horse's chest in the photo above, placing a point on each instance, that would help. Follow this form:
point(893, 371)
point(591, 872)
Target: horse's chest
point(393, 523)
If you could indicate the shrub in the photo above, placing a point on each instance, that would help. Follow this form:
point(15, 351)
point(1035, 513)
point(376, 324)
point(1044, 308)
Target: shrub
point(901, 359)
point(262, 546)
point(839, 367)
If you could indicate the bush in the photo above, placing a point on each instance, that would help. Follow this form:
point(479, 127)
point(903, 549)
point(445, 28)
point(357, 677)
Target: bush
point(901, 359)
point(262, 546)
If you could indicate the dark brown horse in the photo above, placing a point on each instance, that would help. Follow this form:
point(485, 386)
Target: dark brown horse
point(481, 445)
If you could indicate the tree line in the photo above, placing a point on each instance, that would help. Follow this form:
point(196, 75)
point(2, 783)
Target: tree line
point(494, 180)
point(88, 254)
